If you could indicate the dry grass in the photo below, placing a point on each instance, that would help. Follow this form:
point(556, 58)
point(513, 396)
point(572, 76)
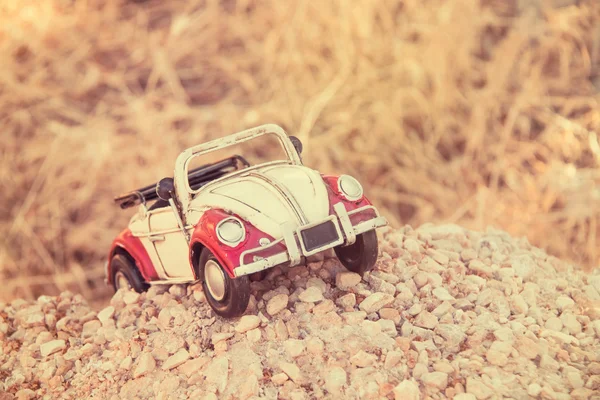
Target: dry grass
point(477, 112)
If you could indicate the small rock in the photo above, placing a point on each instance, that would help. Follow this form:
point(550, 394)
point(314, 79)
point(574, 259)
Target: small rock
point(277, 303)
point(131, 297)
point(247, 322)
point(479, 389)
point(504, 334)
point(193, 366)
point(346, 280)
point(438, 380)
point(279, 379)
point(90, 328)
point(145, 365)
point(534, 389)
point(254, 335)
point(293, 372)
point(176, 359)
point(220, 336)
point(390, 314)
point(52, 347)
point(106, 314)
point(347, 301)
point(335, 379)
point(392, 359)
point(407, 390)
point(464, 396)
point(217, 373)
point(375, 302)
point(363, 359)
point(311, 295)
point(426, 320)
point(293, 347)
point(554, 324)
point(442, 294)
point(249, 388)
point(564, 303)
point(126, 363)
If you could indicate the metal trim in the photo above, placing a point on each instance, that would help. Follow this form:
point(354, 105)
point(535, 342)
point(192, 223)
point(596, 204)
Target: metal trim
point(347, 227)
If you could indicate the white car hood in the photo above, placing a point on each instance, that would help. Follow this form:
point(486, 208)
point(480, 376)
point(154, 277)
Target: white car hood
point(270, 196)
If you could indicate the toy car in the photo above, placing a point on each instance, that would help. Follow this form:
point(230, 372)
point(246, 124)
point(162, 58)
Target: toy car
point(221, 222)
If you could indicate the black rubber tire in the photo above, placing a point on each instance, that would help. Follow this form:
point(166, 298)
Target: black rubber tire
point(361, 256)
point(122, 263)
point(237, 291)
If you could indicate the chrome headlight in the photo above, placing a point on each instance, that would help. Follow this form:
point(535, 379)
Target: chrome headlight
point(231, 231)
point(350, 187)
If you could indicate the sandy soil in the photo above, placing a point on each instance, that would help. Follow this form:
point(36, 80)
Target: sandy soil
point(446, 313)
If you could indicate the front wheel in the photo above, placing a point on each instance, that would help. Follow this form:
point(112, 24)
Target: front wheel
point(361, 256)
point(228, 297)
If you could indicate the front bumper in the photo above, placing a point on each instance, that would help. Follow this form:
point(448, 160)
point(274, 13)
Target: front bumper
point(294, 243)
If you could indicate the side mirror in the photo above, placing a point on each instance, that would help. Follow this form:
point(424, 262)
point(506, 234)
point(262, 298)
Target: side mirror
point(165, 188)
point(297, 144)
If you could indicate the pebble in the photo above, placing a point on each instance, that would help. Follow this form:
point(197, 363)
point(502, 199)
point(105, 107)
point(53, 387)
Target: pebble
point(442, 294)
point(438, 380)
point(246, 323)
point(311, 295)
point(346, 280)
point(347, 301)
point(145, 365)
point(292, 371)
point(407, 390)
point(564, 303)
point(335, 379)
point(176, 359)
point(426, 320)
point(479, 389)
point(375, 302)
point(277, 304)
point(363, 359)
point(279, 379)
point(293, 347)
point(52, 347)
point(106, 314)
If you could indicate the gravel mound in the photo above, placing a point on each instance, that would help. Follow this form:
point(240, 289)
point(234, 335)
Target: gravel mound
point(447, 313)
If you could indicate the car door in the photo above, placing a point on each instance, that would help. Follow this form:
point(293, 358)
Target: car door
point(170, 244)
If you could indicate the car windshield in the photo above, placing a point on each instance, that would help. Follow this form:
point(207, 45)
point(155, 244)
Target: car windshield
point(263, 149)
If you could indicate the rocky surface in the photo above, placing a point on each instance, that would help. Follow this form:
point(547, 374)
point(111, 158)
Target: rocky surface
point(447, 313)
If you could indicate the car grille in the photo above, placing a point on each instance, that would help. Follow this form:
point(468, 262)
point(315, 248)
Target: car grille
point(319, 236)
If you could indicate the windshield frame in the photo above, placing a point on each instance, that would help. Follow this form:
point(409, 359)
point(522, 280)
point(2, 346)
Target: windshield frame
point(182, 187)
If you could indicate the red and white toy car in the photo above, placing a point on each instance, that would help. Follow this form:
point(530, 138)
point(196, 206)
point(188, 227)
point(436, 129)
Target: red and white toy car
point(223, 221)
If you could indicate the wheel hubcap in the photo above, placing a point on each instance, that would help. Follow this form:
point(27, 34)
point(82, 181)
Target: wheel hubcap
point(215, 280)
point(122, 281)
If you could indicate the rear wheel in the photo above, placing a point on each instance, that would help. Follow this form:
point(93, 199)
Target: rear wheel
point(125, 274)
point(361, 256)
point(228, 297)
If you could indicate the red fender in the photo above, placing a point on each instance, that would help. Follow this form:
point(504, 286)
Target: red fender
point(137, 251)
point(336, 197)
point(229, 257)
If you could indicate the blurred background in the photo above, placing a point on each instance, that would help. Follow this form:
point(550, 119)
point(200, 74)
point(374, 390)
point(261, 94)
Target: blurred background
point(476, 112)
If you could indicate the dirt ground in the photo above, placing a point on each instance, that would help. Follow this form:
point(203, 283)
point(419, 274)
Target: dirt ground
point(446, 313)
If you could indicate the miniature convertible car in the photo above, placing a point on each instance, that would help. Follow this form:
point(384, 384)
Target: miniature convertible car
point(221, 222)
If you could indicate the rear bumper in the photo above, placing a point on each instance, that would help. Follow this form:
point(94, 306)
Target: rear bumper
point(295, 247)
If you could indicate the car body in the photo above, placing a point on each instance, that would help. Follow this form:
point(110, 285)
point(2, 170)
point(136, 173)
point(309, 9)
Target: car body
point(224, 221)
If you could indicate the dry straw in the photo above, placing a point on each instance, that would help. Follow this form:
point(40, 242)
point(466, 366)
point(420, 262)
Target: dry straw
point(475, 112)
